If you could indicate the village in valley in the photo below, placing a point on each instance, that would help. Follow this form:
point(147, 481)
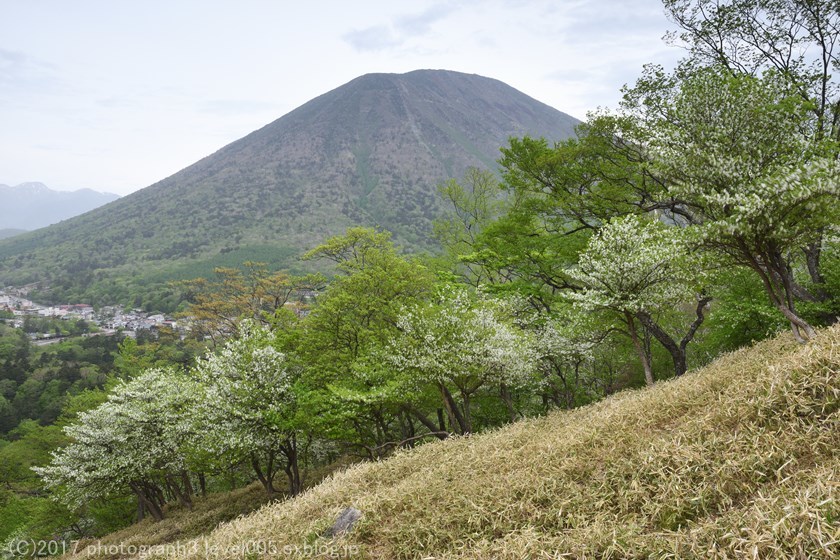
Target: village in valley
point(17, 311)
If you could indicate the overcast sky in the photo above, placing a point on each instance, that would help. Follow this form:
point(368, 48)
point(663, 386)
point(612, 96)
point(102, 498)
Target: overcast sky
point(116, 95)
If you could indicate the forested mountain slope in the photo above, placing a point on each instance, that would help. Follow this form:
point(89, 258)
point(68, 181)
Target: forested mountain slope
point(370, 152)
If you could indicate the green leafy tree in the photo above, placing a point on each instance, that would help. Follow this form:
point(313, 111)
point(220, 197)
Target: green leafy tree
point(472, 206)
point(636, 269)
point(355, 316)
point(731, 149)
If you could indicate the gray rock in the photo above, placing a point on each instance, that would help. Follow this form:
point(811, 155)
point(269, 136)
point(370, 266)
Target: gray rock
point(346, 519)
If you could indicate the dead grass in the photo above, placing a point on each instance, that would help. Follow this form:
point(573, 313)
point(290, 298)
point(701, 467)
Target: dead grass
point(180, 523)
point(737, 460)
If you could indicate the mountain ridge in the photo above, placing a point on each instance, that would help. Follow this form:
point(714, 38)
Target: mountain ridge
point(32, 205)
point(370, 152)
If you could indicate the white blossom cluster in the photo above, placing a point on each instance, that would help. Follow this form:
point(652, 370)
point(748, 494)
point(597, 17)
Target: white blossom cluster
point(135, 436)
point(736, 151)
point(235, 402)
point(463, 339)
point(634, 263)
point(248, 394)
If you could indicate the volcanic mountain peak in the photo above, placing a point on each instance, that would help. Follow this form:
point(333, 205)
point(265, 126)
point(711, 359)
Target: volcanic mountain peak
point(370, 152)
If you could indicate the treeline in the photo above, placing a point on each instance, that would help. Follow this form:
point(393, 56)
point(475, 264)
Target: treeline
point(702, 215)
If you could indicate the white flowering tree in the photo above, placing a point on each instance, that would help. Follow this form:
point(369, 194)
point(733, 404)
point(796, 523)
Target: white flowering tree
point(636, 268)
point(566, 347)
point(134, 441)
point(459, 343)
point(249, 409)
point(737, 152)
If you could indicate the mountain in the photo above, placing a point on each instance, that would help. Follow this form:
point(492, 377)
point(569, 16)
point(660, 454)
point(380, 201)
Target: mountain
point(10, 232)
point(31, 206)
point(370, 152)
point(736, 460)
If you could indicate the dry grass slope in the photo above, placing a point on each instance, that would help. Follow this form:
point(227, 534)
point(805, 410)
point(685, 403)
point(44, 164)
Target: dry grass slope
point(737, 460)
point(179, 525)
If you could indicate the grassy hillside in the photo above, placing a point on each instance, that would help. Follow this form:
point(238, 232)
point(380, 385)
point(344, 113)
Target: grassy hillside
point(740, 459)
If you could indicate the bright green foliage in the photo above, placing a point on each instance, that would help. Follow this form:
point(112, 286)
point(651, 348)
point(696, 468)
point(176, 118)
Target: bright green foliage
point(354, 317)
point(472, 207)
point(741, 313)
point(20, 502)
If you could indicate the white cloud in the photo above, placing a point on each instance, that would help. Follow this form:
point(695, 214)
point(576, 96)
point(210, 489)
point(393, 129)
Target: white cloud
point(374, 38)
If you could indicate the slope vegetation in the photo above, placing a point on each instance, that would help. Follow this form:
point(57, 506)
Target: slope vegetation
point(739, 459)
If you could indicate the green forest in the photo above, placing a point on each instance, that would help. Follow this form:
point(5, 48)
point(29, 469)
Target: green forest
point(699, 217)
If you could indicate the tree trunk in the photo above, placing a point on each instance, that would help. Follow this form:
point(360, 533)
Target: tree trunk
point(292, 468)
point(141, 509)
point(465, 396)
point(506, 398)
point(426, 421)
point(456, 419)
point(781, 298)
point(156, 496)
point(678, 351)
point(637, 344)
point(153, 508)
point(261, 476)
point(778, 289)
point(182, 495)
point(189, 490)
point(813, 256)
point(146, 501)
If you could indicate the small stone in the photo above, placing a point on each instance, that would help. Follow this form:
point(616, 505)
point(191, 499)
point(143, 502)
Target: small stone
point(346, 519)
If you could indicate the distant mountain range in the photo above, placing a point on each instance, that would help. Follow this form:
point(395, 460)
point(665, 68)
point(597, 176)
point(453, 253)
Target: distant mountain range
point(10, 232)
point(370, 152)
point(30, 206)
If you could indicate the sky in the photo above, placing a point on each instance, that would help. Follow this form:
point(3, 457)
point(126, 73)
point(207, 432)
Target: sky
point(117, 95)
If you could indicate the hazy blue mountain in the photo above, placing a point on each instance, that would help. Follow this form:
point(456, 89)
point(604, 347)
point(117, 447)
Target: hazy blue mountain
point(31, 206)
point(4, 233)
